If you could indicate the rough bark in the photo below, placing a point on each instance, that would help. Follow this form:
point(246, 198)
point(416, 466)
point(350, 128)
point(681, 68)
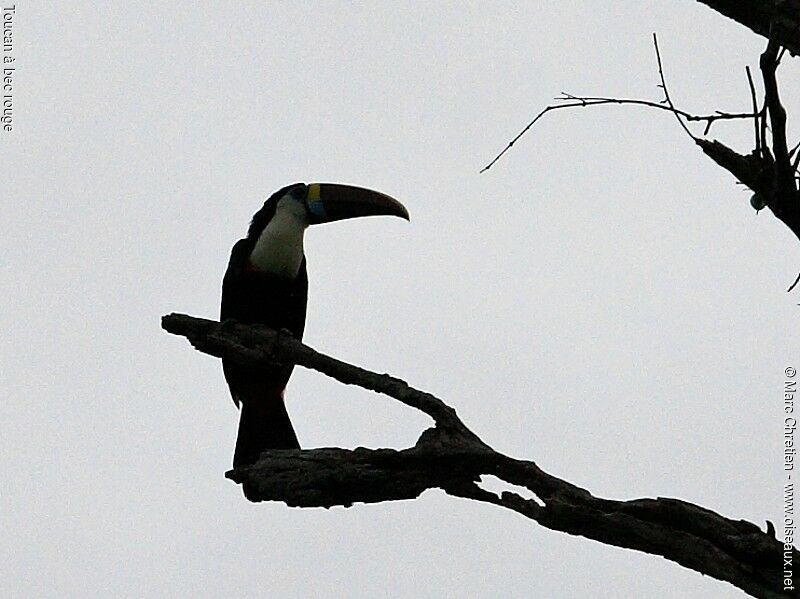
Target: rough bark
point(450, 457)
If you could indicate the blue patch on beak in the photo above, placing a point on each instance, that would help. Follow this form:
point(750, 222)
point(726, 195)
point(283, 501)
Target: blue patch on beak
point(317, 209)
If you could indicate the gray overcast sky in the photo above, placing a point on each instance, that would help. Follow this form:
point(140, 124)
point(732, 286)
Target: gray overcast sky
point(604, 301)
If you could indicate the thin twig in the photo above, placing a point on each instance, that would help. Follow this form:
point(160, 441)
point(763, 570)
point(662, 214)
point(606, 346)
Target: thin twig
point(708, 118)
point(525, 130)
point(667, 99)
point(793, 285)
point(572, 101)
point(753, 99)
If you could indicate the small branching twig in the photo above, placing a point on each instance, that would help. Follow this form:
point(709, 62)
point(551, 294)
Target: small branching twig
point(573, 101)
point(667, 99)
point(709, 119)
point(771, 174)
point(451, 457)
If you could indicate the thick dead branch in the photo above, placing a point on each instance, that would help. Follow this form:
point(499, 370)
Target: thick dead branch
point(777, 19)
point(780, 193)
point(770, 175)
point(769, 64)
point(253, 345)
point(451, 457)
point(748, 169)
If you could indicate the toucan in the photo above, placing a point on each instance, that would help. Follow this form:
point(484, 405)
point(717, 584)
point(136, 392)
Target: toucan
point(266, 283)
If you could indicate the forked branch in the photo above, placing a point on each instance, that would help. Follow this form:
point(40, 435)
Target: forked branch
point(572, 101)
point(770, 173)
point(450, 457)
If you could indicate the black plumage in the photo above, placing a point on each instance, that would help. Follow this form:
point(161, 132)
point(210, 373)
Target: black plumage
point(269, 286)
point(253, 297)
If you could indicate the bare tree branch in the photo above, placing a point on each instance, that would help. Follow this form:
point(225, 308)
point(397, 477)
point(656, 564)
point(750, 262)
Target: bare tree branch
point(769, 64)
point(451, 457)
point(773, 180)
point(770, 18)
point(572, 101)
point(758, 140)
point(667, 99)
point(770, 175)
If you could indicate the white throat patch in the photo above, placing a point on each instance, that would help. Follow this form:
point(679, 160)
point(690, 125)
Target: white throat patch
point(279, 248)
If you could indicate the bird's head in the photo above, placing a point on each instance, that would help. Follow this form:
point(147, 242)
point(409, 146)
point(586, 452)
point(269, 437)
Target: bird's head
point(318, 203)
point(276, 232)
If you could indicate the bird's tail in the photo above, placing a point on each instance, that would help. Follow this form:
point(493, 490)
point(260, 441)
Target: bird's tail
point(264, 424)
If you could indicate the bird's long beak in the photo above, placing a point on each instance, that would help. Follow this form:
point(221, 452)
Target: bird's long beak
point(328, 202)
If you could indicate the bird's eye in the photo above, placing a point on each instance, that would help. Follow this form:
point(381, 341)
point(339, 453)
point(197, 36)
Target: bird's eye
point(299, 192)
